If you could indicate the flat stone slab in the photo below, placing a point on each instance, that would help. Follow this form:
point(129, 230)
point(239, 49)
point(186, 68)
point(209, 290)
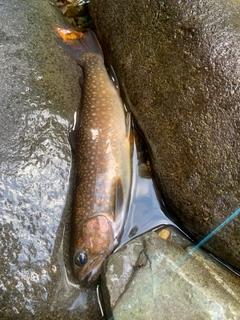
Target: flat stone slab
point(156, 278)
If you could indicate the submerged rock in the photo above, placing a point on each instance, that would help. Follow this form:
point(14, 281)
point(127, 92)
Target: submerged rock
point(155, 278)
point(178, 62)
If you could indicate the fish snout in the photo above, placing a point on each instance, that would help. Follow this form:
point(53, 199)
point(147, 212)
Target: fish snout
point(86, 268)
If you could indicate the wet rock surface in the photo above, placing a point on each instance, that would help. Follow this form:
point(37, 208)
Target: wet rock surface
point(157, 278)
point(179, 63)
point(39, 94)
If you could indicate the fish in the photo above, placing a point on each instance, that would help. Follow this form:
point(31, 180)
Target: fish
point(102, 160)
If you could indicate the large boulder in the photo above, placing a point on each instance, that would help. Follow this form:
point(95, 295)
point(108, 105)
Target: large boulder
point(39, 92)
point(178, 63)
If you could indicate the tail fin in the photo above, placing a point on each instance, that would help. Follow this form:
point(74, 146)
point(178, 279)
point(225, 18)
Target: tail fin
point(77, 43)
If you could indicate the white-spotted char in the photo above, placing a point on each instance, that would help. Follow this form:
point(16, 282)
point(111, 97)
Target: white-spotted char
point(103, 164)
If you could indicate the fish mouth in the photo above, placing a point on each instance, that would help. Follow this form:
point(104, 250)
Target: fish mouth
point(91, 278)
point(96, 268)
point(93, 275)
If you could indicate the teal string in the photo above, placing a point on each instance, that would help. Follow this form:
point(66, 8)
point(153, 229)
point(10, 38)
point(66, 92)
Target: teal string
point(222, 225)
point(196, 247)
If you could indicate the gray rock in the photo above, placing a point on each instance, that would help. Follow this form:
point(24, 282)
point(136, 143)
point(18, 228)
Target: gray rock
point(178, 62)
point(152, 278)
point(39, 92)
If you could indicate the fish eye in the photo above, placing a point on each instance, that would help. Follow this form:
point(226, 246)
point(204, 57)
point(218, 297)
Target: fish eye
point(80, 258)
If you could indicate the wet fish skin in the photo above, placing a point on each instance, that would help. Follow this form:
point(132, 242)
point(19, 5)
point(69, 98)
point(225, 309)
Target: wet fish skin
point(102, 161)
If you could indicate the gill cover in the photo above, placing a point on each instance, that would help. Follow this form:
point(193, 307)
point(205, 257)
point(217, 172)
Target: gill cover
point(94, 244)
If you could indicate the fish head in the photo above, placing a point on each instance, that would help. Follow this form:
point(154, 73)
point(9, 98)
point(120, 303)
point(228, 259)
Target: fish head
point(94, 244)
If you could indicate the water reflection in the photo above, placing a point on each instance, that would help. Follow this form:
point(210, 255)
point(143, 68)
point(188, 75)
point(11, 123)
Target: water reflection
point(146, 212)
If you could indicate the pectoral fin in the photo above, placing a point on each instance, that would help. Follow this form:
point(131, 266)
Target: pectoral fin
point(118, 202)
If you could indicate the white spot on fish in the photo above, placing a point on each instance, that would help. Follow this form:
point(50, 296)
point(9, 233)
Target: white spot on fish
point(95, 134)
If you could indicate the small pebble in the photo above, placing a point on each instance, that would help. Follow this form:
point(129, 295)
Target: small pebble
point(164, 234)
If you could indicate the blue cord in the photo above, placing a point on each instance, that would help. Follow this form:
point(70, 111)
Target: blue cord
point(211, 234)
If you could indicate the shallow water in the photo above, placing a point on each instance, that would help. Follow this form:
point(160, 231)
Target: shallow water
point(146, 210)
